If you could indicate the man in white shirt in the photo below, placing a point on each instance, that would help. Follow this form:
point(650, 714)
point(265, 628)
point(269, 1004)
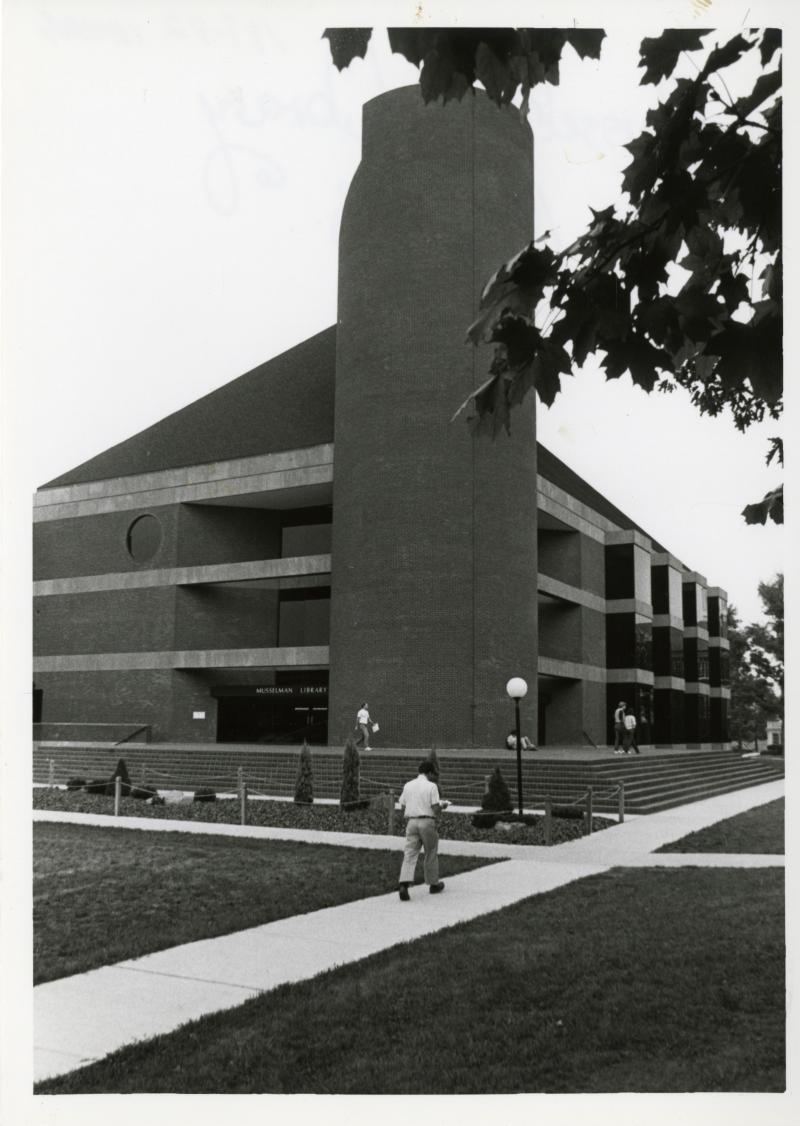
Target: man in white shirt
point(362, 726)
point(630, 733)
point(420, 803)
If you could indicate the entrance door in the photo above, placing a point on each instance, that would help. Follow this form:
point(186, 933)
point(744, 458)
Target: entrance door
point(272, 715)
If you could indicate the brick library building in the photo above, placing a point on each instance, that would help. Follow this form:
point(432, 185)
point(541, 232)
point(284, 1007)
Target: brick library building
point(317, 533)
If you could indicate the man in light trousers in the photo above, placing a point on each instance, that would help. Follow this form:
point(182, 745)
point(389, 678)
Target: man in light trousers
point(420, 803)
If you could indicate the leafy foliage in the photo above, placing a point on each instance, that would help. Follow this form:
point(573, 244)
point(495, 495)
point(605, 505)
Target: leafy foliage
point(766, 641)
point(681, 286)
point(504, 59)
point(756, 666)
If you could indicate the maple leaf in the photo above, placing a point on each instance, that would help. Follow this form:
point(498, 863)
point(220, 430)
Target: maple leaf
point(347, 43)
point(770, 507)
point(725, 55)
point(499, 82)
point(659, 55)
point(640, 358)
point(515, 287)
point(775, 450)
point(586, 42)
point(766, 85)
point(770, 43)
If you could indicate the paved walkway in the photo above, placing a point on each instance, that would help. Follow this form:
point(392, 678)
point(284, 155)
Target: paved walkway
point(84, 1017)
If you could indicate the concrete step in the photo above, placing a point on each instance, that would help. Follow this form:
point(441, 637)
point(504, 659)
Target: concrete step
point(651, 782)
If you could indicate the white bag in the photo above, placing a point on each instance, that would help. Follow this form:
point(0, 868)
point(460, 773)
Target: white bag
point(376, 727)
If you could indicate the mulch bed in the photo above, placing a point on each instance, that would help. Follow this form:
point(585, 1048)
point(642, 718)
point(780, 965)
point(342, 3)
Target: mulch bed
point(330, 818)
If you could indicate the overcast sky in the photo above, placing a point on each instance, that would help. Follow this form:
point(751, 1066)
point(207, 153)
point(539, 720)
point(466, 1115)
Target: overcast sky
point(175, 173)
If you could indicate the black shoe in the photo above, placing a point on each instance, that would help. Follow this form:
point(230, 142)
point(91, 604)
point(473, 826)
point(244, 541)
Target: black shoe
point(434, 888)
point(404, 893)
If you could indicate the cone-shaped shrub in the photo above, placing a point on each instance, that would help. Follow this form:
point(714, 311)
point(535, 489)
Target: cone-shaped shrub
point(107, 787)
point(497, 796)
point(304, 786)
point(121, 772)
point(350, 772)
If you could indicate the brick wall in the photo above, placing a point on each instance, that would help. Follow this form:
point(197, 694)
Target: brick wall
point(95, 545)
point(114, 621)
point(434, 536)
point(129, 696)
point(210, 534)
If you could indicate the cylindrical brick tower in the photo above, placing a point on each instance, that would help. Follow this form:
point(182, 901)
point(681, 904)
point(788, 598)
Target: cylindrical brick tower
point(434, 583)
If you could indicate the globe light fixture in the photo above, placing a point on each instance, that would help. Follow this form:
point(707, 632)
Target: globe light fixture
point(517, 689)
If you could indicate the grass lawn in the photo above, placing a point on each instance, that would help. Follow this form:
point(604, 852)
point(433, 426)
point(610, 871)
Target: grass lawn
point(633, 980)
point(102, 895)
point(759, 830)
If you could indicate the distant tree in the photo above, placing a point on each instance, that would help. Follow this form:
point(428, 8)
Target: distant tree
point(753, 695)
point(350, 791)
point(765, 642)
point(304, 786)
point(682, 285)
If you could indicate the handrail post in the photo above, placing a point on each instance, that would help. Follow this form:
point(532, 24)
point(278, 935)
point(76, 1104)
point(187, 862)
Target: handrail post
point(243, 793)
point(117, 794)
point(51, 773)
point(589, 811)
point(390, 820)
point(621, 802)
point(548, 822)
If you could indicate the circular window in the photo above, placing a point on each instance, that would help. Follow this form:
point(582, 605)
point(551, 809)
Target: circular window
point(144, 538)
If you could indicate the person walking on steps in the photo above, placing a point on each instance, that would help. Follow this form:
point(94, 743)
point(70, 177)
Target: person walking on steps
point(420, 803)
point(363, 727)
point(630, 733)
point(619, 728)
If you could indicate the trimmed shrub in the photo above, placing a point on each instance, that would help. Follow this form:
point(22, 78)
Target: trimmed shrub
point(121, 772)
point(143, 791)
point(568, 812)
point(76, 783)
point(304, 786)
point(100, 786)
point(497, 798)
point(351, 768)
point(485, 820)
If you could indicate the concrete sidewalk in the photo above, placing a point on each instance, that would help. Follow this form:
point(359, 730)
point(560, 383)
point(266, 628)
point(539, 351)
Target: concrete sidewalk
point(84, 1017)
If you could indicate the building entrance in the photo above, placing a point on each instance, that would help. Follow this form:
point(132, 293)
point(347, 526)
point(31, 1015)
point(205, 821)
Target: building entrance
point(272, 713)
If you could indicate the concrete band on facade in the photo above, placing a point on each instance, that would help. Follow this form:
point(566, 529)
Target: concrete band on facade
point(314, 656)
point(264, 569)
point(317, 533)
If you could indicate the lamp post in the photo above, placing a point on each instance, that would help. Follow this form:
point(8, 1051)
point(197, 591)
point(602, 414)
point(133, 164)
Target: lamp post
point(517, 690)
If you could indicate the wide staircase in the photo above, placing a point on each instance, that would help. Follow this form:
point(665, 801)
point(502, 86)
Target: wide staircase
point(653, 781)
